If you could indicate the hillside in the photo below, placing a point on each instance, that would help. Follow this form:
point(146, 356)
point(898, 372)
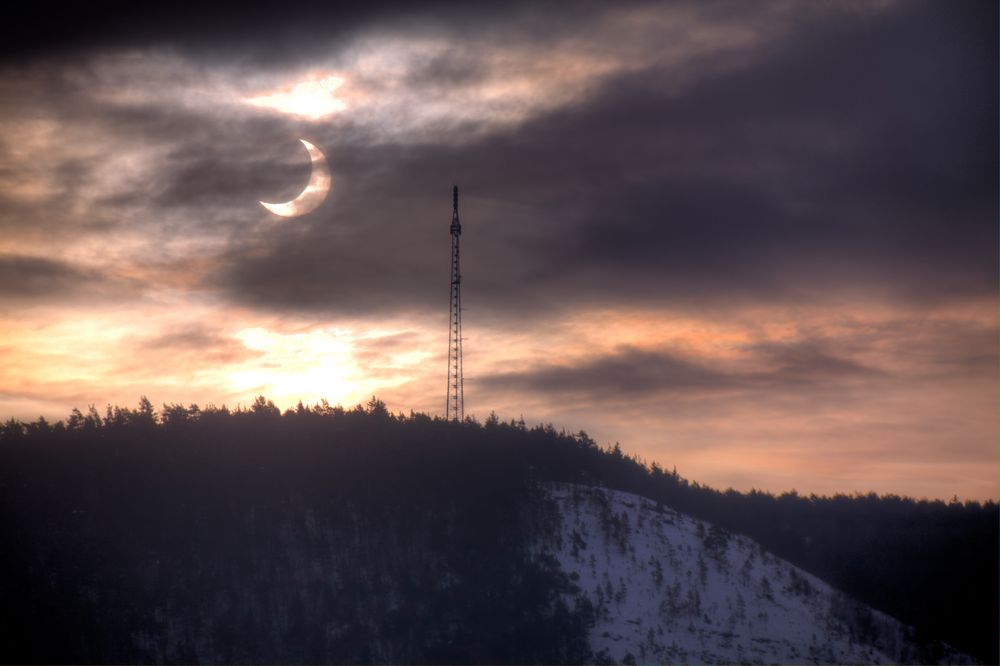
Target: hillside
point(668, 588)
point(352, 536)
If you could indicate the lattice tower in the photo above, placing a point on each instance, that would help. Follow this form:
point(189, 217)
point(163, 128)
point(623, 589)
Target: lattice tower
point(455, 409)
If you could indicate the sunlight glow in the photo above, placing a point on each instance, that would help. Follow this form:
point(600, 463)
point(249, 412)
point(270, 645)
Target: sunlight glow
point(299, 366)
point(312, 98)
point(313, 365)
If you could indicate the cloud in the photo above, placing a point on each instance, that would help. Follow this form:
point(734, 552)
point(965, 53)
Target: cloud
point(625, 374)
point(736, 187)
point(288, 29)
point(806, 362)
point(192, 345)
point(34, 279)
point(649, 375)
point(730, 163)
point(312, 98)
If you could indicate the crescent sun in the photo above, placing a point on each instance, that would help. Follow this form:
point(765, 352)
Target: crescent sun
point(315, 192)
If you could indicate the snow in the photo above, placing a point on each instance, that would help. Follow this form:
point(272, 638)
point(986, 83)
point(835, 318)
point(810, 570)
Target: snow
point(668, 588)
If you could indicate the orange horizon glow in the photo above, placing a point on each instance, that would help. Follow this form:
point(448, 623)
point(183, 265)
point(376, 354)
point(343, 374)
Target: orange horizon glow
point(740, 438)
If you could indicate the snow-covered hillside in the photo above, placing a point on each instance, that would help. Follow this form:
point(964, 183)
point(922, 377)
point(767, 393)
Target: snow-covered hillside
point(667, 588)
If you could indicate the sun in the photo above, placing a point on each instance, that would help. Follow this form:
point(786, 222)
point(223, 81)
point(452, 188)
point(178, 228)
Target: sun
point(312, 98)
point(303, 366)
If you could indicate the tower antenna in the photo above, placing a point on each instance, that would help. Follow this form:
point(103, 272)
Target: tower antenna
point(455, 408)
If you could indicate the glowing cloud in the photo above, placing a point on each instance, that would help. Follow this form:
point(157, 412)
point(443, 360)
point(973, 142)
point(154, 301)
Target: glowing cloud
point(312, 98)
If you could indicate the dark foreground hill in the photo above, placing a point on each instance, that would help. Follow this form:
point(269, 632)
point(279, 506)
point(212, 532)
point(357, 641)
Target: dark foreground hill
point(325, 535)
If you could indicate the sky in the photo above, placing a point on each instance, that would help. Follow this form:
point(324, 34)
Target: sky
point(755, 242)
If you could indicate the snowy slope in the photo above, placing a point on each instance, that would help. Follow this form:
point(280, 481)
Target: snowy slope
point(668, 588)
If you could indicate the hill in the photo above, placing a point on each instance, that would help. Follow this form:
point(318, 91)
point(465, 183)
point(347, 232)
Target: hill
point(331, 535)
point(668, 588)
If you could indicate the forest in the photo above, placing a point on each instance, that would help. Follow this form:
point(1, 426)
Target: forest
point(200, 534)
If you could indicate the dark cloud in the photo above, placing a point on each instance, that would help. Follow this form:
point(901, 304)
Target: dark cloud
point(811, 171)
point(627, 373)
point(633, 373)
point(853, 154)
point(806, 363)
point(206, 28)
point(38, 279)
point(939, 347)
point(267, 34)
point(187, 337)
point(830, 164)
point(188, 345)
point(231, 178)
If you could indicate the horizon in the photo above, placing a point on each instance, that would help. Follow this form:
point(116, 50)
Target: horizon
point(755, 243)
point(473, 419)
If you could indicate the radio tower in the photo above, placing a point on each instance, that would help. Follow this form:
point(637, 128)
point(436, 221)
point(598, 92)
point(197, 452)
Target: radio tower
point(455, 408)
